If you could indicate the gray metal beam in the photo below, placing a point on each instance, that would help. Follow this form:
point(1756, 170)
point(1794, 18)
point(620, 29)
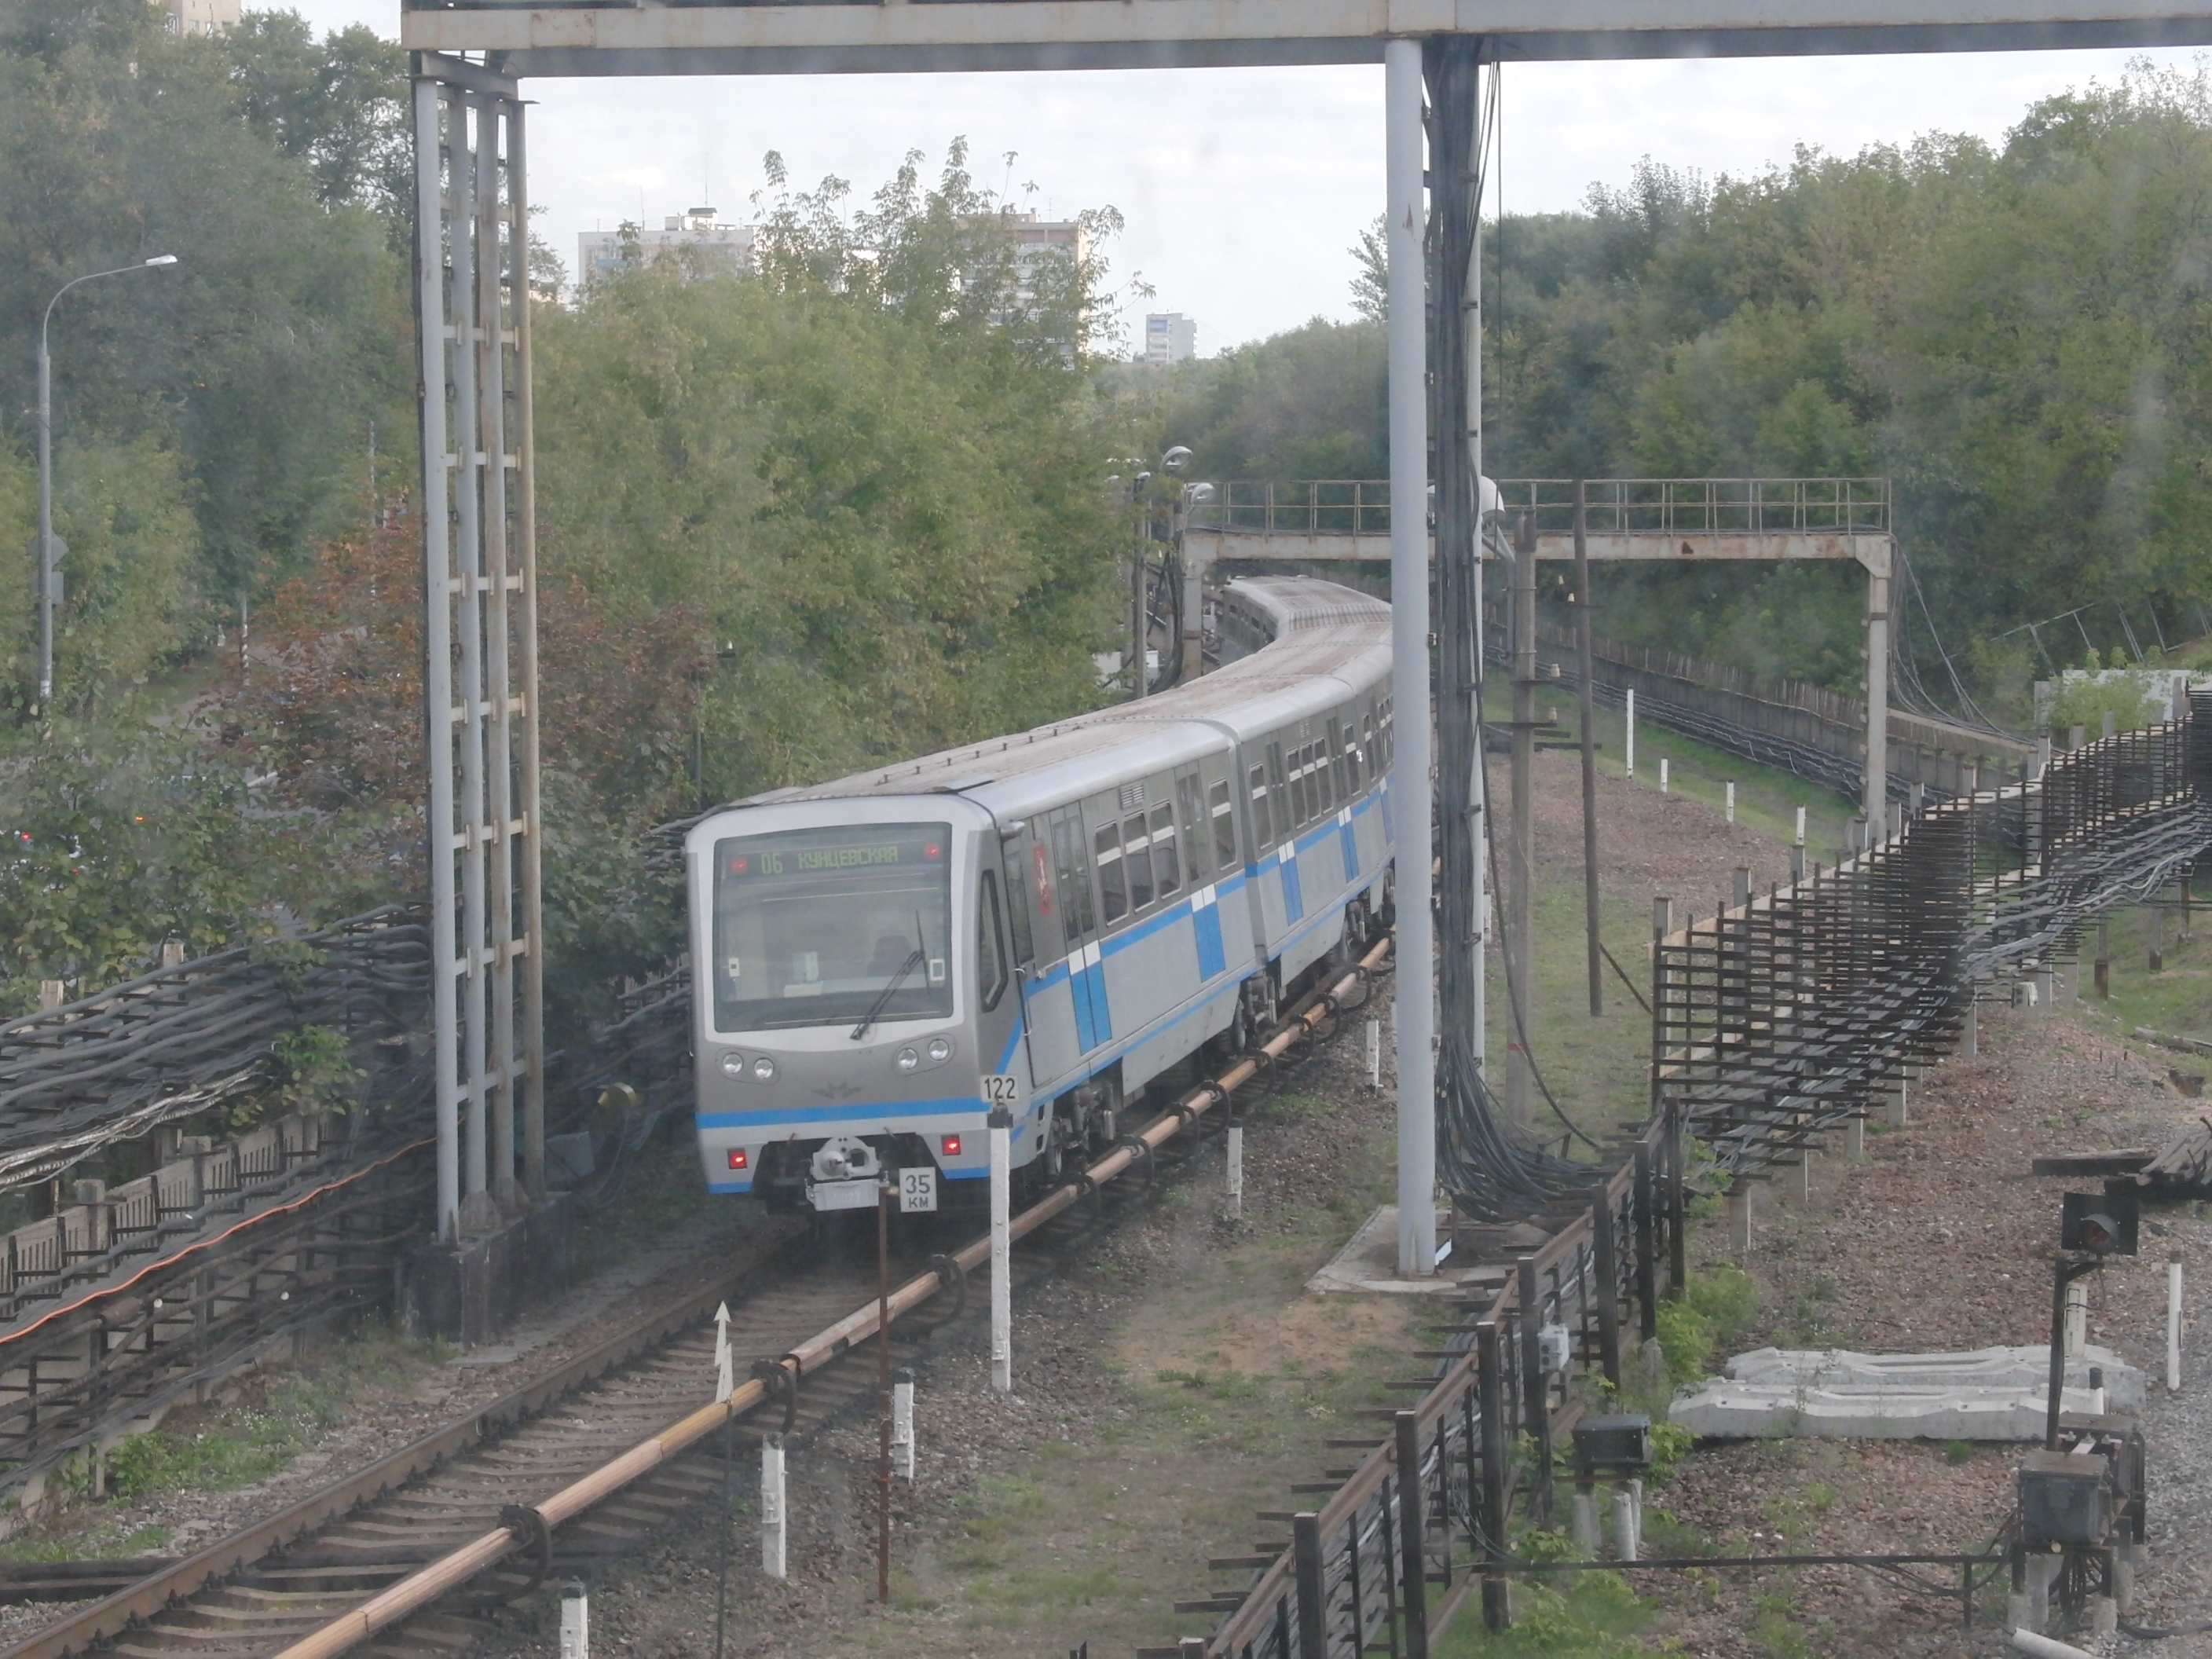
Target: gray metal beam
point(1083, 35)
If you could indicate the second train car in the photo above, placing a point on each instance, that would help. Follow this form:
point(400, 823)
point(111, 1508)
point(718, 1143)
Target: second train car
point(1049, 921)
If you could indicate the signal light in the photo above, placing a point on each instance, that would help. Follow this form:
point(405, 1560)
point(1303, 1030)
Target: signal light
point(953, 1145)
point(738, 1157)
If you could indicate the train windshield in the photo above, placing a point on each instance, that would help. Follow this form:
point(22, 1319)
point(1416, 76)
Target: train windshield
point(831, 925)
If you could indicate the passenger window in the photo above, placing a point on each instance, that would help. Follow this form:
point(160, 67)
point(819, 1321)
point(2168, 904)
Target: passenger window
point(1113, 891)
point(1164, 870)
point(1137, 854)
point(990, 959)
point(1224, 827)
point(1323, 780)
point(1018, 912)
point(1350, 762)
point(1190, 809)
point(1285, 825)
point(1261, 832)
point(1302, 784)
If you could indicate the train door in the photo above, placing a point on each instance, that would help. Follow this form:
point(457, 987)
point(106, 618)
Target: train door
point(999, 951)
point(1079, 928)
point(1345, 765)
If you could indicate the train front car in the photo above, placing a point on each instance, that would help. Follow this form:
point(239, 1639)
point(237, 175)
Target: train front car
point(857, 1002)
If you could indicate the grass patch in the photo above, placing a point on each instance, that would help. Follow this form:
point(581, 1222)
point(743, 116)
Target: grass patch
point(1715, 1308)
point(94, 1542)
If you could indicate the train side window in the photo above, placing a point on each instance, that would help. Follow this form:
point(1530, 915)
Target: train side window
point(1225, 826)
point(1260, 833)
point(1113, 890)
point(1189, 809)
point(1286, 826)
point(1375, 767)
point(1137, 859)
point(1350, 759)
point(1297, 797)
point(1075, 918)
point(990, 955)
point(1165, 871)
point(1325, 769)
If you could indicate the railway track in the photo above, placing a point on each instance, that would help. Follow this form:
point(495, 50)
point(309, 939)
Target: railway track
point(375, 1561)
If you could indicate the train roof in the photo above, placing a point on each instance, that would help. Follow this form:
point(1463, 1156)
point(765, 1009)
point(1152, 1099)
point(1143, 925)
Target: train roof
point(1327, 642)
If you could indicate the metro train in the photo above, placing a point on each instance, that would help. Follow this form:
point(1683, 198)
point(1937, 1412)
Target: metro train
point(1049, 921)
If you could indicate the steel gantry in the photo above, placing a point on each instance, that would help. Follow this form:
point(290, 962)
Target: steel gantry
point(480, 604)
point(480, 644)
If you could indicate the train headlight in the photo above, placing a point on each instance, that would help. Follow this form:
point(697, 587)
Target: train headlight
point(763, 1070)
point(906, 1059)
point(733, 1064)
point(940, 1050)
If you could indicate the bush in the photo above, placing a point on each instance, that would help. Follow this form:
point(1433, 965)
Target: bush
point(1714, 1309)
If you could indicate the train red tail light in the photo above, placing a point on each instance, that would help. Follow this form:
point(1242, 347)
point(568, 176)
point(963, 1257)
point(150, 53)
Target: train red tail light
point(738, 1157)
point(953, 1145)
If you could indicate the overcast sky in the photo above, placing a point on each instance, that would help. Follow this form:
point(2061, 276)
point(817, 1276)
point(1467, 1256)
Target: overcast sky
point(1243, 188)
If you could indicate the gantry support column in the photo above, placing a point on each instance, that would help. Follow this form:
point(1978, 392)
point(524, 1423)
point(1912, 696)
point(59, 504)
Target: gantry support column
point(1409, 644)
point(480, 643)
point(1876, 805)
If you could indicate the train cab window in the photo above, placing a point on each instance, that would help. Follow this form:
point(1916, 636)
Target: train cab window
point(1261, 832)
point(1137, 859)
point(1189, 809)
point(825, 925)
point(1218, 808)
point(1113, 883)
point(1167, 877)
point(1018, 909)
point(990, 954)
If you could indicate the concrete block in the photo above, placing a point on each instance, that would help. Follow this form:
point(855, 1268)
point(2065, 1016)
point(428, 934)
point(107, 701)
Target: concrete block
point(1990, 1393)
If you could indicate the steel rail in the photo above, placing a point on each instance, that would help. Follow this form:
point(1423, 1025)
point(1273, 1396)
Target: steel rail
point(419, 1589)
point(111, 1616)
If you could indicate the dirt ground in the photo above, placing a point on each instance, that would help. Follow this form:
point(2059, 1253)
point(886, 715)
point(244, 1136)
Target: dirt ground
point(1942, 1240)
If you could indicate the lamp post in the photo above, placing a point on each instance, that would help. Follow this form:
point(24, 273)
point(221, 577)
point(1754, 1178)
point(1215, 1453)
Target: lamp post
point(49, 551)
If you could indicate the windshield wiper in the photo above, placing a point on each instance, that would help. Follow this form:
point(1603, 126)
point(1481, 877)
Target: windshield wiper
point(883, 997)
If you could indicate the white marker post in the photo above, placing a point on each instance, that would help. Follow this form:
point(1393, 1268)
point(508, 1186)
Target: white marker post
point(1630, 748)
point(1801, 826)
point(575, 1621)
point(1730, 789)
point(1374, 1054)
point(772, 1505)
point(2173, 1323)
point(1662, 774)
point(1001, 1122)
point(1236, 1205)
point(903, 1422)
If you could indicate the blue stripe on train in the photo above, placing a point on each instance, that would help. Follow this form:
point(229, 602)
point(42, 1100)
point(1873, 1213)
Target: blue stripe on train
point(1350, 842)
point(1212, 960)
point(1294, 900)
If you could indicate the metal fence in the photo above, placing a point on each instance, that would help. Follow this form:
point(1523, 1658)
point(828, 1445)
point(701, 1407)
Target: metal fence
point(1424, 1518)
point(1775, 1021)
point(1783, 1016)
point(1642, 507)
point(200, 1034)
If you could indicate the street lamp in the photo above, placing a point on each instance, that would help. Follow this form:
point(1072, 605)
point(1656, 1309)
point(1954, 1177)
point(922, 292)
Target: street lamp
point(50, 549)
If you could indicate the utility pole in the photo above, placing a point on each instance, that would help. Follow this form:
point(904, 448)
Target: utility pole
point(50, 548)
point(1584, 667)
point(1521, 926)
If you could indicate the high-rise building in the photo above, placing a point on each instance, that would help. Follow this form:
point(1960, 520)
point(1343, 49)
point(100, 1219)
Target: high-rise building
point(201, 16)
point(697, 237)
point(1170, 337)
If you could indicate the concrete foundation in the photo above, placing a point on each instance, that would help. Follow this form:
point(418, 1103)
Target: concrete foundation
point(470, 1294)
point(1899, 1103)
point(1855, 1140)
point(1739, 1218)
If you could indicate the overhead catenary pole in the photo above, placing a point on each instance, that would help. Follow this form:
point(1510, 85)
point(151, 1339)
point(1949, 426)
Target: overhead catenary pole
point(1876, 799)
point(1409, 639)
point(1583, 668)
point(431, 310)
